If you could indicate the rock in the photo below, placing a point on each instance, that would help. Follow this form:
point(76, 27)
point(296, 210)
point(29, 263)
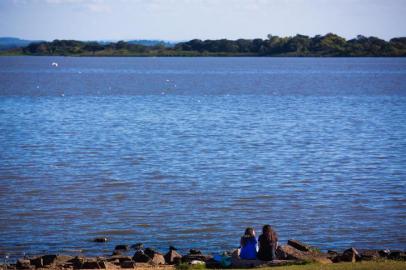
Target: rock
point(172, 257)
point(384, 253)
point(138, 246)
point(172, 248)
point(194, 251)
point(397, 255)
point(100, 239)
point(157, 259)
point(122, 248)
point(92, 265)
point(350, 255)
point(369, 255)
point(127, 264)
point(299, 245)
point(37, 262)
point(117, 253)
point(23, 264)
point(306, 256)
point(77, 262)
point(196, 257)
point(149, 252)
point(119, 258)
point(333, 255)
point(140, 256)
point(280, 253)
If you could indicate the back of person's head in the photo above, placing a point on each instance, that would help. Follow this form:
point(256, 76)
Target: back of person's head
point(249, 235)
point(269, 233)
point(249, 232)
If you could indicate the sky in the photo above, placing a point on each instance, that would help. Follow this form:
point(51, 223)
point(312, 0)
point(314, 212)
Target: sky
point(178, 20)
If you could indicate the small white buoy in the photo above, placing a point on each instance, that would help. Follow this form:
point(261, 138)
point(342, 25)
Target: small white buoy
point(167, 80)
point(55, 64)
point(63, 94)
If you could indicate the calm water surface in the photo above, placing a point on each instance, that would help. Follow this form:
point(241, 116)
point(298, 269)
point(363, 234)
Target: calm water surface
point(189, 151)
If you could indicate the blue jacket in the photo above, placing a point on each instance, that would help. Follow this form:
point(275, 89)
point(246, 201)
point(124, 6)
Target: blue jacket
point(249, 250)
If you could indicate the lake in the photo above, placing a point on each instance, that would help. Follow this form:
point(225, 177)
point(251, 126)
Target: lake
point(190, 151)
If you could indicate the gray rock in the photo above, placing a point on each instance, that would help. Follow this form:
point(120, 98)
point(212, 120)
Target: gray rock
point(306, 256)
point(23, 264)
point(100, 239)
point(299, 245)
point(141, 257)
point(122, 248)
point(350, 255)
point(127, 264)
point(173, 257)
point(157, 259)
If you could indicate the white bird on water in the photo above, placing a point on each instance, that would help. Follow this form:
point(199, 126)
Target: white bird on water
point(55, 64)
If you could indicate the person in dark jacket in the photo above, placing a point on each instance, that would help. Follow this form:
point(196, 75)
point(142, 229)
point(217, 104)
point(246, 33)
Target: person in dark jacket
point(268, 242)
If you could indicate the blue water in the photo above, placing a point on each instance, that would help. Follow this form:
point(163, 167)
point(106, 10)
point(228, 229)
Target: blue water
point(190, 151)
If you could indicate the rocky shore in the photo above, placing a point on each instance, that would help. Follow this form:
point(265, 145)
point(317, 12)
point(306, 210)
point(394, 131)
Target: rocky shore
point(294, 252)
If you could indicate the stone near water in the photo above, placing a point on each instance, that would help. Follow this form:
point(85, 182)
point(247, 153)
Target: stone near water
point(280, 253)
point(77, 262)
point(157, 259)
point(100, 239)
point(122, 247)
point(140, 256)
point(23, 264)
point(194, 251)
point(93, 265)
point(196, 257)
point(292, 253)
point(369, 255)
point(150, 252)
point(172, 248)
point(37, 262)
point(137, 246)
point(397, 255)
point(172, 257)
point(384, 253)
point(350, 255)
point(119, 258)
point(127, 264)
point(299, 245)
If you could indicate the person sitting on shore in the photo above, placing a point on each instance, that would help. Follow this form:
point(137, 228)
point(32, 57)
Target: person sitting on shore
point(268, 242)
point(248, 245)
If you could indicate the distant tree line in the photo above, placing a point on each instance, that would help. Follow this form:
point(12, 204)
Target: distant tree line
point(299, 45)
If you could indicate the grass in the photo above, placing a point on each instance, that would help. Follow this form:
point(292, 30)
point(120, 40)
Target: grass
point(381, 265)
point(372, 265)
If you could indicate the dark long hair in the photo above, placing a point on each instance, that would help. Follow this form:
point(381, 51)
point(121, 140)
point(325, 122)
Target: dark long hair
point(248, 236)
point(269, 233)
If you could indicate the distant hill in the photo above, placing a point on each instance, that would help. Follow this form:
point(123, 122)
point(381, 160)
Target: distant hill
point(12, 42)
point(329, 45)
point(7, 43)
point(147, 42)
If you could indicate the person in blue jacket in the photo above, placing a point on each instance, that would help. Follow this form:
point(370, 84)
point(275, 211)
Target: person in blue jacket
point(248, 245)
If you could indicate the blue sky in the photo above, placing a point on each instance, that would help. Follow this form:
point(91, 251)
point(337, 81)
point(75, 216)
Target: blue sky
point(187, 19)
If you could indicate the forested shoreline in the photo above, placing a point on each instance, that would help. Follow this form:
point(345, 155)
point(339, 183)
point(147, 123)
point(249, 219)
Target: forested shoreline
point(329, 45)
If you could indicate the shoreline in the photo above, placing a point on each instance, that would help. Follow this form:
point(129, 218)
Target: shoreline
point(293, 252)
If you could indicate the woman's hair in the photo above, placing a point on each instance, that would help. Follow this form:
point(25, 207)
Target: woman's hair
point(248, 235)
point(269, 233)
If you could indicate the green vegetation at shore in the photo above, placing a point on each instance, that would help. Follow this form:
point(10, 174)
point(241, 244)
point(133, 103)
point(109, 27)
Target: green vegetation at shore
point(329, 45)
point(373, 265)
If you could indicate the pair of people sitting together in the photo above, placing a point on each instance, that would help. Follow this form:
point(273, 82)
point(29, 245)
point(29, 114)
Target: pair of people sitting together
point(265, 250)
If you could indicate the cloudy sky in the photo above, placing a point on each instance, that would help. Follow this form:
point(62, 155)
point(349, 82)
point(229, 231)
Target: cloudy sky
point(187, 19)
